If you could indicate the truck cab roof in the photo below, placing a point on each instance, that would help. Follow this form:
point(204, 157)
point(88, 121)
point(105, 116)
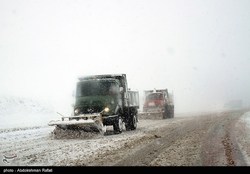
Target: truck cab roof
point(102, 76)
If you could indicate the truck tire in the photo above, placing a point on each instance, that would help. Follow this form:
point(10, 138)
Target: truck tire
point(132, 119)
point(118, 125)
point(166, 113)
point(132, 123)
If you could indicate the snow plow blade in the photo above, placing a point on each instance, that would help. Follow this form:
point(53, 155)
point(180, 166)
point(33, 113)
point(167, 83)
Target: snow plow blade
point(87, 123)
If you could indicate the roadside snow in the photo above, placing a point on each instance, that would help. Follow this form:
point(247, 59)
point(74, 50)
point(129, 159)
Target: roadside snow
point(247, 119)
point(243, 129)
point(16, 112)
point(21, 120)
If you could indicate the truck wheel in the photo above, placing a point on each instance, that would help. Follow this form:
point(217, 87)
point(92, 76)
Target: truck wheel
point(117, 126)
point(132, 123)
point(164, 115)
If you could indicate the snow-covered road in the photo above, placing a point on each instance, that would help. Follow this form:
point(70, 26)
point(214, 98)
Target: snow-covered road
point(38, 147)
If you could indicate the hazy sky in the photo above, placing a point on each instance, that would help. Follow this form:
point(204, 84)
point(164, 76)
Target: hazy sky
point(200, 49)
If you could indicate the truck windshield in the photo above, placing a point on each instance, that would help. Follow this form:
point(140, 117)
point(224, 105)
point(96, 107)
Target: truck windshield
point(155, 96)
point(96, 87)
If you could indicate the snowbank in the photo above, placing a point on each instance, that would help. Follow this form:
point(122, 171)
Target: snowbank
point(18, 112)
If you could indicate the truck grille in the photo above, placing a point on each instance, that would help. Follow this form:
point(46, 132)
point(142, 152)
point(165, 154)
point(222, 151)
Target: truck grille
point(91, 107)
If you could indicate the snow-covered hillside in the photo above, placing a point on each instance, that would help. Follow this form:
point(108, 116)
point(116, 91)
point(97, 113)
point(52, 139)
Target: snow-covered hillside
point(16, 112)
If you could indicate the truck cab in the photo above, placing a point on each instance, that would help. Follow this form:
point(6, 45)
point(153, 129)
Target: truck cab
point(154, 102)
point(107, 95)
point(159, 101)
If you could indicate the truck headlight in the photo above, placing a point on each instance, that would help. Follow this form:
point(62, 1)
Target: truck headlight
point(77, 111)
point(106, 109)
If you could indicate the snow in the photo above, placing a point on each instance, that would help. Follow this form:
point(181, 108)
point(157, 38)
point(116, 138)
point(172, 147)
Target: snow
point(243, 127)
point(51, 151)
point(247, 120)
point(16, 112)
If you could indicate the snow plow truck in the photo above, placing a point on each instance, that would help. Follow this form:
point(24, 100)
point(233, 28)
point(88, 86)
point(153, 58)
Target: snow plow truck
point(100, 101)
point(158, 103)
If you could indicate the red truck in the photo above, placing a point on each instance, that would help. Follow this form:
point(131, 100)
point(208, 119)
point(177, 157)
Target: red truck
point(159, 101)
